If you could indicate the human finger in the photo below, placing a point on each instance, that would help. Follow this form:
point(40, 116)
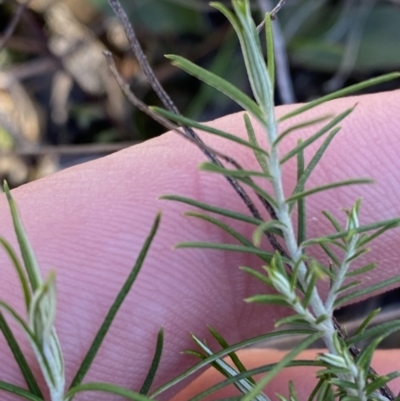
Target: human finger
point(90, 222)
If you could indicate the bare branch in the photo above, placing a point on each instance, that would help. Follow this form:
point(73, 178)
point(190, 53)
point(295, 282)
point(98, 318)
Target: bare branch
point(13, 24)
point(169, 105)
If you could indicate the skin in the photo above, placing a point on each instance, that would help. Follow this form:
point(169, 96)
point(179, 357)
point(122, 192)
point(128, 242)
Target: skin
point(89, 223)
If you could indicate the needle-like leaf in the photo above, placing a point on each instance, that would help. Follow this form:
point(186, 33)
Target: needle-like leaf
point(93, 349)
point(154, 364)
point(218, 83)
point(307, 142)
point(20, 358)
point(312, 191)
point(342, 92)
point(207, 128)
point(214, 209)
point(20, 392)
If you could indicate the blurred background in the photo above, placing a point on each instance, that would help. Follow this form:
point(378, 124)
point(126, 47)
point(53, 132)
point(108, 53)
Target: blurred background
point(60, 106)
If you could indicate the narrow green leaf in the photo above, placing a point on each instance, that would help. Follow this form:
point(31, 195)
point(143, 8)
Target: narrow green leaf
point(194, 353)
point(330, 254)
point(369, 238)
point(213, 168)
point(301, 204)
point(375, 331)
point(106, 388)
point(20, 271)
point(358, 230)
point(213, 209)
point(331, 371)
point(335, 223)
point(293, 319)
point(20, 358)
point(272, 299)
point(292, 391)
point(340, 93)
point(207, 128)
point(302, 179)
point(227, 12)
point(277, 264)
point(364, 358)
point(319, 387)
point(310, 290)
point(218, 83)
point(258, 190)
point(381, 381)
point(42, 314)
point(235, 347)
point(312, 191)
point(154, 364)
point(271, 225)
point(257, 72)
point(321, 318)
point(331, 125)
point(280, 365)
point(243, 385)
point(357, 255)
point(344, 384)
point(13, 313)
point(361, 270)
point(305, 124)
point(28, 255)
point(326, 393)
point(235, 359)
point(219, 64)
point(225, 247)
point(261, 157)
point(241, 176)
point(88, 359)
point(269, 40)
point(26, 329)
point(235, 234)
point(262, 277)
point(243, 240)
point(365, 291)
point(252, 372)
point(348, 286)
point(367, 321)
point(18, 391)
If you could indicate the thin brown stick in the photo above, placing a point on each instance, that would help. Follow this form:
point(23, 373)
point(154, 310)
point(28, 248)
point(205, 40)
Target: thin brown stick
point(170, 126)
point(13, 24)
point(189, 133)
point(277, 8)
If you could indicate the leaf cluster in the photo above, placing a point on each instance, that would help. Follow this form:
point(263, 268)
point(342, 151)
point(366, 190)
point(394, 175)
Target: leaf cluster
point(40, 301)
point(289, 272)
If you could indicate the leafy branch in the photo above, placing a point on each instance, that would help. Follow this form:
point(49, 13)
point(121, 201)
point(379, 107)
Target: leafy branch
point(290, 274)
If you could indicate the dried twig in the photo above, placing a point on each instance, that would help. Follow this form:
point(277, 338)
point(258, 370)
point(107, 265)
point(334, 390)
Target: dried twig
point(13, 24)
point(188, 132)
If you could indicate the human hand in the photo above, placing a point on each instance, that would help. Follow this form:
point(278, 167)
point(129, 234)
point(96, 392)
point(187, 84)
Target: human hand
point(89, 223)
